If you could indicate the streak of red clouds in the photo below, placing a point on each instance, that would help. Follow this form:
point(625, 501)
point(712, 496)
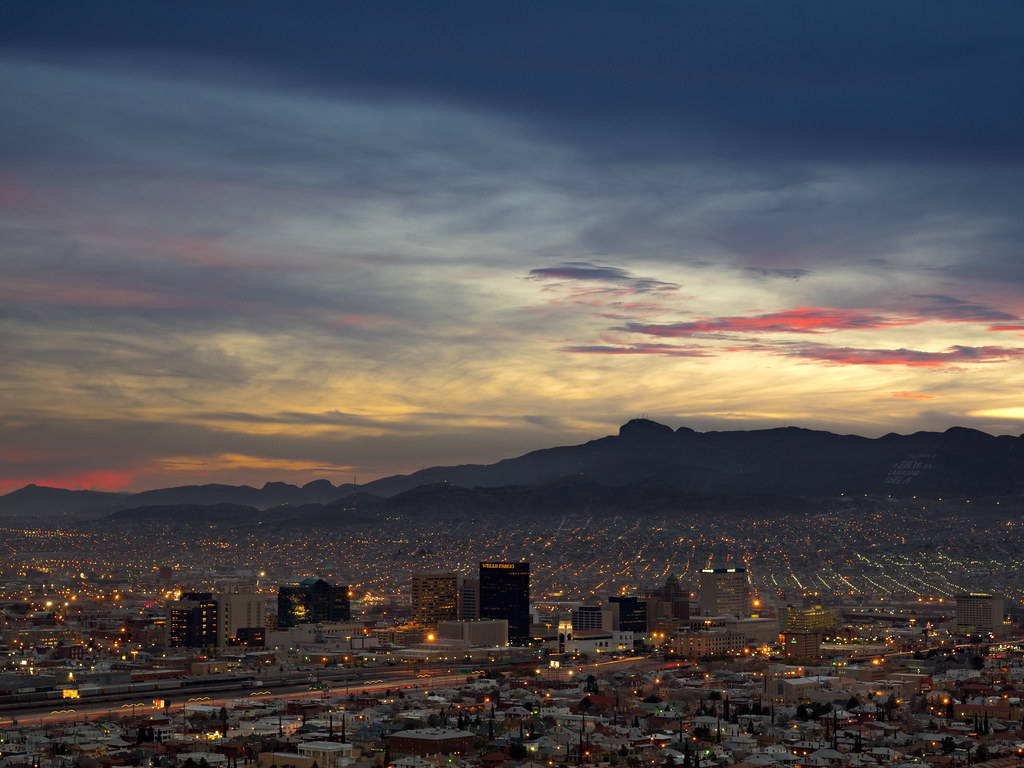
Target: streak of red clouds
point(12, 192)
point(89, 296)
point(1009, 328)
point(370, 322)
point(910, 396)
point(798, 320)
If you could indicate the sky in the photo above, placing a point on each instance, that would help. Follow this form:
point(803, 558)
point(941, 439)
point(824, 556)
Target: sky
point(252, 241)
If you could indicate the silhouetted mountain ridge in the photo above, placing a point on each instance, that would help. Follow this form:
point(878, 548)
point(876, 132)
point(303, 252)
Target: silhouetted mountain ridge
point(643, 463)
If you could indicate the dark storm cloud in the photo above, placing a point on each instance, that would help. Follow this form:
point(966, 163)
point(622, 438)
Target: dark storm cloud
point(864, 77)
point(953, 309)
point(587, 272)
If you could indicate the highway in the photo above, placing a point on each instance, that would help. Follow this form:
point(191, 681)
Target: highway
point(291, 688)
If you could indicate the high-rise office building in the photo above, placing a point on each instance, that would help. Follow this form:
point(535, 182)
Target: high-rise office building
point(589, 617)
point(311, 600)
point(240, 612)
point(194, 622)
point(629, 614)
point(979, 613)
point(812, 619)
point(724, 592)
point(803, 645)
point(469, 599)
point(435, 597)
point(505, 594)
point(676, 599)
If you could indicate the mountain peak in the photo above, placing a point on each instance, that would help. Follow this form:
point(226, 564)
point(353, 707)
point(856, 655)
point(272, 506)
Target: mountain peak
point(644, 428)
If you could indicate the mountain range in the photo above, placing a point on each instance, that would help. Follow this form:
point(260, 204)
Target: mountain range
point(645, 464)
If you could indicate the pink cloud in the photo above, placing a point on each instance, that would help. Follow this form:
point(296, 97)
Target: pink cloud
point(57, 292)
point(1006, 328)
point(369, 322)
point(798, 320)
point(909, 396)
point(12, 191)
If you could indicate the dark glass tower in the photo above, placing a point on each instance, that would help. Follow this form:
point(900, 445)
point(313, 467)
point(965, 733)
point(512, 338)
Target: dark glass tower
point(312, 600)
point(505, 594)
point(632, 614)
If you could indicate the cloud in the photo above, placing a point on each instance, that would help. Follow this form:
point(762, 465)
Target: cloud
point(371, 322)
point(791, 273)
point(1005, 328)
point(1013, 412)
point(799, 320)
point(955, 355)
point(955, 310)
point(667, 350)
point(910, 395)
point(586, 272)
point(334, 275)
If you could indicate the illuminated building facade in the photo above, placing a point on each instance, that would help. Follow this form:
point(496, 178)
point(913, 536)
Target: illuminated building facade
point(435, 597)
point(979, 613)
point(194, 621)
point(724, 592)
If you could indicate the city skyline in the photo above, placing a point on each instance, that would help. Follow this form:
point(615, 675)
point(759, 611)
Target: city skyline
point(241, 245)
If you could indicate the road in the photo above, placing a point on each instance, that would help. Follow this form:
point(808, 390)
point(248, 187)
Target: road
point(381, 680)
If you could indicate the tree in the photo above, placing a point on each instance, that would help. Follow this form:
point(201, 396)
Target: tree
point(517, 751)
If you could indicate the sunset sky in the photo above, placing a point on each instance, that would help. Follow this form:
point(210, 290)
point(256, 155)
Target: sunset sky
point(258, 241)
